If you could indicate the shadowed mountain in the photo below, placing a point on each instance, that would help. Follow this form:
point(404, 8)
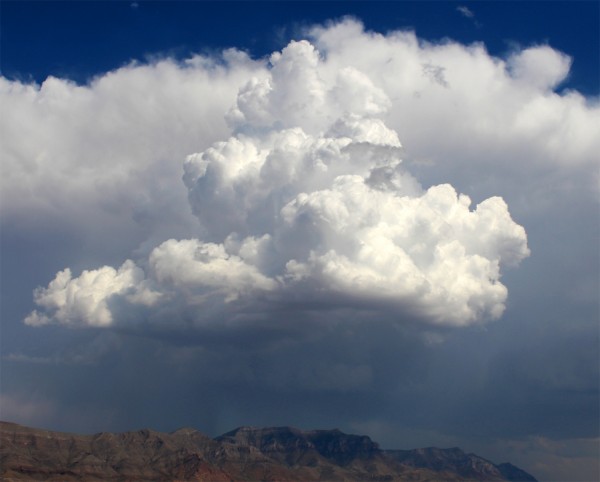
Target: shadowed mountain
point(454, 460)
point(244, 454)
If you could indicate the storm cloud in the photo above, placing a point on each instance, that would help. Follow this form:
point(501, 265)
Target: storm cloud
point(309, 202)
point(366, 230)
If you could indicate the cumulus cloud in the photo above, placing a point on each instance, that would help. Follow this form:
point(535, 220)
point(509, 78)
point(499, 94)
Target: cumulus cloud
point(491, 118)
point(300, 190)
point(308, 202)
point(84, 299)
point(295, 123)
point(105, 158)
point(539, 67)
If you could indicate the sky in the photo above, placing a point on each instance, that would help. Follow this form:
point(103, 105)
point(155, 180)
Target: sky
point(380, 217)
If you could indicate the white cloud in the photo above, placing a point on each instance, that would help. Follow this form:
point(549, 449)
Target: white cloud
point(105, 158)
point(84, 300)
point(491, 118)
point(306, 196)
point(191, 263)
point(539, 67)
point(308, 200)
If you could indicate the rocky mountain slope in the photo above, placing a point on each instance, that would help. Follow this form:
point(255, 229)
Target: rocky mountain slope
point(454, 460)
point(244, 454)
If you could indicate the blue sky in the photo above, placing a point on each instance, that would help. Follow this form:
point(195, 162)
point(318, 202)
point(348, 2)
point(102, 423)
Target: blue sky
point(381, 217)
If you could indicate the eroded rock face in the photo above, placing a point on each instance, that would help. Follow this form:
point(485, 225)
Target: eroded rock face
point(246, 453)
point(451, 460)
point(27, 454)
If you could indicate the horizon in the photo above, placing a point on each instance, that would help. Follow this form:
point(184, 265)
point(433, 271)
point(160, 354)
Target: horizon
point(301, 430)
point(316, 453)
point(379, 216)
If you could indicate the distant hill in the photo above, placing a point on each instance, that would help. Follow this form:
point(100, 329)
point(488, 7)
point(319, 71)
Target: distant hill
point(244, 454)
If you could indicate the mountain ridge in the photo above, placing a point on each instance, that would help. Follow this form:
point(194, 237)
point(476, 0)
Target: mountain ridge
point(244, 454)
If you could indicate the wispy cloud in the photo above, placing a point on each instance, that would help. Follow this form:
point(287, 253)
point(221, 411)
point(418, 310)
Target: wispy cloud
point(465, 11)
point(468, 13)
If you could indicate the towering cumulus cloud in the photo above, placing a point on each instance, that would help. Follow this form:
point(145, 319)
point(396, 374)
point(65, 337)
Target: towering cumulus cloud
point(308, 205)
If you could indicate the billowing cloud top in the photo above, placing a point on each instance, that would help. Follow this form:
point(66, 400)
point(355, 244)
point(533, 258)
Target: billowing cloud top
point(308, 204)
